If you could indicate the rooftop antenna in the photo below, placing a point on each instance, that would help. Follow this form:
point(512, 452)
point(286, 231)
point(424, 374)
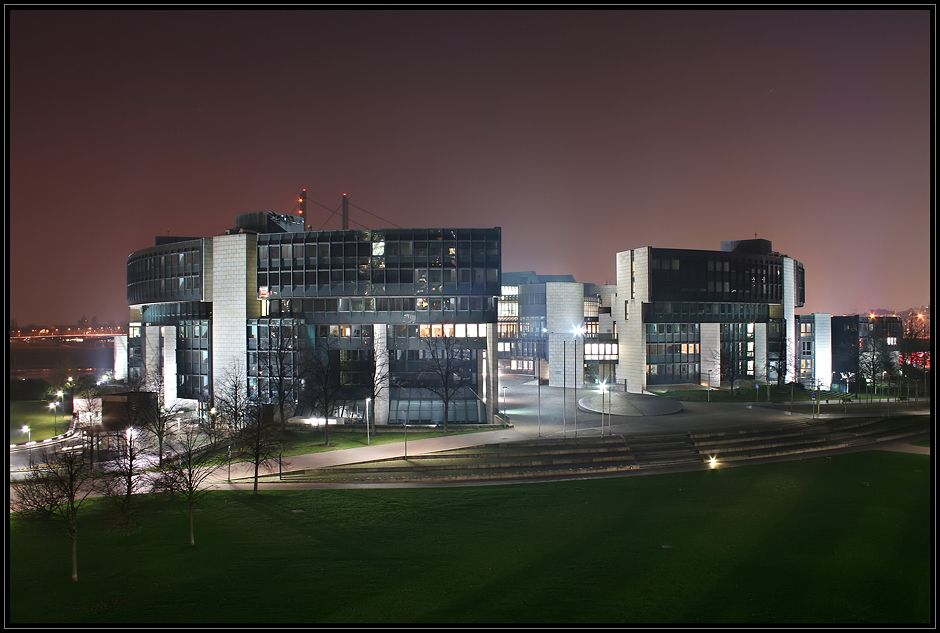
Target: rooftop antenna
point(345, 212)
point(303, 202)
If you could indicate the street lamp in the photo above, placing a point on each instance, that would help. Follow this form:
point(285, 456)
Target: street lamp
point(504, 399)
point(578, 332)
point(368, 441)
point(29, 439)
point(538, 359)
point(54, 406)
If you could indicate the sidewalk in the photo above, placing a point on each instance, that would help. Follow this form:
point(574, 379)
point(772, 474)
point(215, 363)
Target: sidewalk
point(325, 459)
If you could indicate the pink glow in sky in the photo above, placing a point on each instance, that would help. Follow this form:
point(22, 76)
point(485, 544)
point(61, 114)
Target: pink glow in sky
point(581, 134)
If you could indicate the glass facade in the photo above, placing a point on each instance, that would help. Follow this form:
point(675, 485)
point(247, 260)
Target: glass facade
point(719, 277)
point(326, 289)
point(673, 353)
point(168, 272)
point(387, 263)
point(421, 284)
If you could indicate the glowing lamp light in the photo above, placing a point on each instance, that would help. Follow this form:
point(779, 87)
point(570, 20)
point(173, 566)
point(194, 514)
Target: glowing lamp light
point(713, 462)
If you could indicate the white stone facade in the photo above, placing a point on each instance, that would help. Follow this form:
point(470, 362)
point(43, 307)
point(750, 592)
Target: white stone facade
point(153, 365)
point(710, 334)
point(380, 348)
point(564, 303)
point(169, 366)
point(822, 350)
point(633, 288)
point(235, 300)
point(120, 357)
point(790, 299)
point(761, 369)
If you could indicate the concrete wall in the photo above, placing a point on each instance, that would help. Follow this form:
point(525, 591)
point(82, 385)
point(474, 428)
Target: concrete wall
point(631, 365)
point(380, 349)
point(234, 301)
point(492, 373)
point(711, 354)
point(790, 299)
point(120, 357)
point(151, 343)
point(564, 302)
point(760, 352)
point(822, 350)
point(169, 366)
point(608, 295)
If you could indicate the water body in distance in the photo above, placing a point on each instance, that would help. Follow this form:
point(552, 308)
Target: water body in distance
point(54, 361)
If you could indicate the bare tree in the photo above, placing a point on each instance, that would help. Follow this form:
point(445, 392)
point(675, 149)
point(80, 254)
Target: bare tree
point(446, 370)
point(915, 346)
point(875, 360)
point(88, 406)
point(782, 361)
point(189, 470)
point(278, 359)
point(257, 440)
point(158, 421)
point(378, 375)
point(56, 487)
point(250, 424)
point(323, 388)
point(231, 399)
point(126, 477)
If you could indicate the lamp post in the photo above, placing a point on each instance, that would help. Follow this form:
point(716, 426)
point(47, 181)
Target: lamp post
point(603, 393)
point(504, 399)
point(29, 439)
point(538, 359)
point(708, 391)
point(368, 441)
point(564, 387)
point(55, 418)
point(578, 331)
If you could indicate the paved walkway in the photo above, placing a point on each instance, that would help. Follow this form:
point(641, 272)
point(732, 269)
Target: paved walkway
point(540, 412)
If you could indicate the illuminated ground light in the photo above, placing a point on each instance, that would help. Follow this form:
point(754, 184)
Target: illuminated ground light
point(713, 462)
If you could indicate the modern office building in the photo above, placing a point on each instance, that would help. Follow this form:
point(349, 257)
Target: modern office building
point(674, 316)
point(814, 350)
point(864, 346)
point(694, 316)
point(254, 303)
point(553, 316)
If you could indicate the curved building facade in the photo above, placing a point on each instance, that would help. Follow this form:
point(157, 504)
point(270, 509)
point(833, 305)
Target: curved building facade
point(251, 301)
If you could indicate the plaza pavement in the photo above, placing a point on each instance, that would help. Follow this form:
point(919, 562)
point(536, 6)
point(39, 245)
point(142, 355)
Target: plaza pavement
point(542, 412)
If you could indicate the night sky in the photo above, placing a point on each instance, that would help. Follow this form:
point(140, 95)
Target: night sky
point(580, 133)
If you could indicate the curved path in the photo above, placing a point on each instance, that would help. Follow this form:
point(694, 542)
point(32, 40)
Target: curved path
point(549, 412)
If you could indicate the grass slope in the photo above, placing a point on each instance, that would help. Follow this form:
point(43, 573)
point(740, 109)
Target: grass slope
point(824, 540)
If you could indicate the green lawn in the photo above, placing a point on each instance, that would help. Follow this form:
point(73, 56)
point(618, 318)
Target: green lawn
point(845, 539)
point(37, 415)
